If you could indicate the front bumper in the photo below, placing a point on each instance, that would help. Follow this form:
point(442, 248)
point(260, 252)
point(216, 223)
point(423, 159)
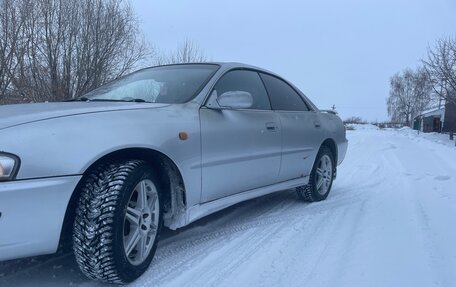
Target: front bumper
point(32, 214)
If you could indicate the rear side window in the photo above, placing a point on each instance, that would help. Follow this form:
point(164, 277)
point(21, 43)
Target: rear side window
point(283, 97)
point(247, 81)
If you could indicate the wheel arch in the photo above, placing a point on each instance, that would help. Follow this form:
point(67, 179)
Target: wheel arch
point(309, 192)
point(170, 177)
point(331, 144)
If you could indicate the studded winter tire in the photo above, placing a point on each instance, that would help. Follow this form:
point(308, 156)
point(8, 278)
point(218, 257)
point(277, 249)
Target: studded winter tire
point(118, 220)
point(321, 177)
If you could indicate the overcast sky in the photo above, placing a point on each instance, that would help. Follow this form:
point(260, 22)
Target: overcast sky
point(336, 52)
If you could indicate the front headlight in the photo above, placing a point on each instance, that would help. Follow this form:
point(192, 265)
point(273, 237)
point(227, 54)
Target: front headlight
point(9, 165)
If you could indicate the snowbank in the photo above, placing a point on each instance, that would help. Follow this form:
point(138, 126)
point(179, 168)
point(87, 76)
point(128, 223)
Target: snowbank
point(439, 138)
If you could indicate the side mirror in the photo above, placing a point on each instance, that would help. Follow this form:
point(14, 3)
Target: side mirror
point(235, 100)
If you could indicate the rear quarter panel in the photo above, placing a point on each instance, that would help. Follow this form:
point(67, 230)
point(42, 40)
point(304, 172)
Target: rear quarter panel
point(335, 129)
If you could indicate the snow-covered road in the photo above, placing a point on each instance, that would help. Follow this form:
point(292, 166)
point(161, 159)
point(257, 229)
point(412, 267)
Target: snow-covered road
point(390, 220)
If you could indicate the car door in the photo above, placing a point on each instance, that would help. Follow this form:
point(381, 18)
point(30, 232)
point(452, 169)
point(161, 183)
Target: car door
point(241, 148)
point(301, 131)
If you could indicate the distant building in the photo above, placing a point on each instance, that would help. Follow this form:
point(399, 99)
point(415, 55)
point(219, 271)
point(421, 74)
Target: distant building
point(449, 122)
point(438, 120)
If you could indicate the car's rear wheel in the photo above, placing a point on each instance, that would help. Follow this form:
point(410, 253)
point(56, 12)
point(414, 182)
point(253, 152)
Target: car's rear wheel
point(321, 177)
point(118, 220)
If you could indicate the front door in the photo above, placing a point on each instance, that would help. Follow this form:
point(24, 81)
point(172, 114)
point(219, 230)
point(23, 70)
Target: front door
point(241, 149)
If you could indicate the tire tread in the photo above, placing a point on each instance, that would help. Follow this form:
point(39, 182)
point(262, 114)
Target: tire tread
point(94, 222)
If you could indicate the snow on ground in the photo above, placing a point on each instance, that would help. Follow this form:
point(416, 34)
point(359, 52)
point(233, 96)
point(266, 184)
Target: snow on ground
point(389, 221)
point(435, 137)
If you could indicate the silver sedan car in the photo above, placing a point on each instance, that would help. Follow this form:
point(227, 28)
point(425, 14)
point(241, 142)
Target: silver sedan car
point(162, 146)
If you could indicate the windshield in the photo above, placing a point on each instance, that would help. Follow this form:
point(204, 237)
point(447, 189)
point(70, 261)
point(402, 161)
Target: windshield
point(174, 84)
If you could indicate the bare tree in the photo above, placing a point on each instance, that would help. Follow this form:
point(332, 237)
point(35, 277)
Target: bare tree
point(186, 52)
point(60, 49)
point(441, 67)
point(410, 93)
point(113, 47)
point(11, 23)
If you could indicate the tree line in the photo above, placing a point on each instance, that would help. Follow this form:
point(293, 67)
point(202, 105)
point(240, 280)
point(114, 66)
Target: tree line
point(53, 50)
point(432, 83)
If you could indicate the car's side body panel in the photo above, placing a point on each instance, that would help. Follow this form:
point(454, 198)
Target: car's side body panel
point(239, 152)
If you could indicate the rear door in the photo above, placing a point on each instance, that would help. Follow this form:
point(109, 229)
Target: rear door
point(241, 149)
point(301, 131)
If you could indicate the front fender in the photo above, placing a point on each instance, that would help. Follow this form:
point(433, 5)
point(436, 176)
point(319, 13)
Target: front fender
point(69, 145)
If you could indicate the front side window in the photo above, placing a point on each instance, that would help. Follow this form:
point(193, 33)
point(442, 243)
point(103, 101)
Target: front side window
point(283, 96)
point(246, 81)
point(174, 84)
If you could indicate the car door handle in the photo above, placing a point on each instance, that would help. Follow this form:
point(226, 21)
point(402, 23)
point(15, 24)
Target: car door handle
point(317, 124)
point(272, 127)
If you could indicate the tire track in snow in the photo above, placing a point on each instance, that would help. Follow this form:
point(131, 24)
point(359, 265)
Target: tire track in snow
point(432, 250)
point(347, 244)
point(236, 256)
point(189, 250)
point(173, 246)
point(409, 189)
point(316, 245)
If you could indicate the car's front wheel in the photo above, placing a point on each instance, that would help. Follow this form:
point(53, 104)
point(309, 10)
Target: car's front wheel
point(321, 177)
point(118, 219)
